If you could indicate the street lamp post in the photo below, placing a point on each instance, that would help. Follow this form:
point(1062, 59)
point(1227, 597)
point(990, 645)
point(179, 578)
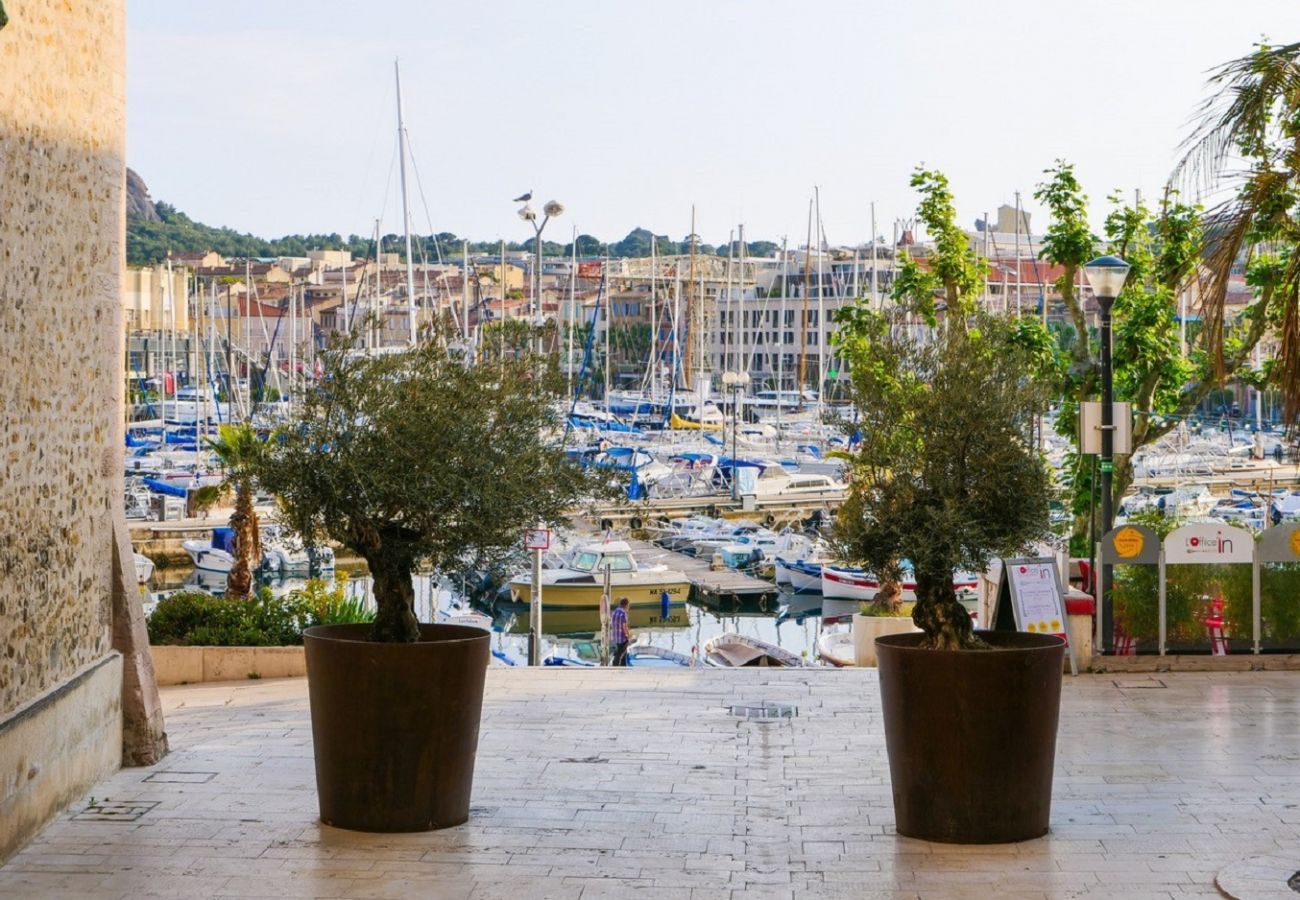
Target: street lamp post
point(551, 210)
point(1106, 276)
point(735, 382)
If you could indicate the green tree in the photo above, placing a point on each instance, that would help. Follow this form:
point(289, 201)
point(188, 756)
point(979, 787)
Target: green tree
point(239, 450)
point(945, 475)
point(952, 270)
point(414, 459)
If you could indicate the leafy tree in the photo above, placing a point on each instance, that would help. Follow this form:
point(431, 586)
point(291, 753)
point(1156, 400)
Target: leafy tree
point(953, 270)
point(239, 450)
point(945, 475)
point(414, 459)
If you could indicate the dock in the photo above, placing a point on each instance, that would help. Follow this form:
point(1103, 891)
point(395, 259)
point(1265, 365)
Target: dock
point(726, 589)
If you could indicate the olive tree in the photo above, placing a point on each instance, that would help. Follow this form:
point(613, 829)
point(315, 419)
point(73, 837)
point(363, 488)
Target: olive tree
point(945, 475)
point(416, 459)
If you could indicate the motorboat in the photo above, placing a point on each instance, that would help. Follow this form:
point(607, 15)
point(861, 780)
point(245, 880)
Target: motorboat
point(733, 651)
point(580, 583)
point(803, 575)
point(852, 583)
point(215, 555)
point(284, 552)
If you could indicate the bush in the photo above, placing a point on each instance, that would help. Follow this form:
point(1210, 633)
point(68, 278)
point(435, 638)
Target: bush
point(195, 618)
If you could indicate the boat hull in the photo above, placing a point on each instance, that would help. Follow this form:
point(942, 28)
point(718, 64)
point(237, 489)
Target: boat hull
point(587, 595)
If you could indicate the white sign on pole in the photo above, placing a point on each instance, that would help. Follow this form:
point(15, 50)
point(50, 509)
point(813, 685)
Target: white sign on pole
point(1207, 542)
point(1090, 427)
point(1032, 589)
point(537, 539)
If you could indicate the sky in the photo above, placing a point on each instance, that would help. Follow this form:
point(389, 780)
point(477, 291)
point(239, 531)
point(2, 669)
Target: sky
point(280, 117)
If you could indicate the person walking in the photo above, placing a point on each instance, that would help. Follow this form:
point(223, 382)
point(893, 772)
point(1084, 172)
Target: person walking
point(619, 631)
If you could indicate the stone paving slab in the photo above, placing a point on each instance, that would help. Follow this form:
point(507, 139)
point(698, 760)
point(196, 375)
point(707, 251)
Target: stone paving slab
point(639, 784)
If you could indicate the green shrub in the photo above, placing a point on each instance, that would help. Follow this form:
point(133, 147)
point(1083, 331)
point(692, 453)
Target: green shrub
point(195, 618)
point(199, 619)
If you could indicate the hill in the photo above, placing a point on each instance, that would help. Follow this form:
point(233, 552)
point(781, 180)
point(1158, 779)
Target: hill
point(155, 229)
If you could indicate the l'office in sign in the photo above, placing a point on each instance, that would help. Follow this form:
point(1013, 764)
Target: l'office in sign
point(1218, 545)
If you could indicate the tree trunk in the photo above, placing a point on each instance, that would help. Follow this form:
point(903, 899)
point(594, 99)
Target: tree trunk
point(395, 620)
point(889, 599)
point(940, 615)
point(248, 543)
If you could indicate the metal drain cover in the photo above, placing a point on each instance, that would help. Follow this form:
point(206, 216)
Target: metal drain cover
point(765, 711)
point(115, 810)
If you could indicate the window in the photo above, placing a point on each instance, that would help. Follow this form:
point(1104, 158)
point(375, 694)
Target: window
point(617, 562)
point(584, 562)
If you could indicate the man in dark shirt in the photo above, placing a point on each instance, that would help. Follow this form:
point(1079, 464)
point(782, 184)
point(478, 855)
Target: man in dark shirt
point(619, 631)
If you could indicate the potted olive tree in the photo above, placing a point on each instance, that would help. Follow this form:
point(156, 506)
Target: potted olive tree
point(415, 461)
point(946, 477)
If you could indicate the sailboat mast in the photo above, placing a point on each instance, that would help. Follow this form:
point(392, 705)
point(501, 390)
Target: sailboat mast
point(693, 311)
point(875, 275)
point(803, 325)
point(570, 314)
point(780, 325)
point(406, 215)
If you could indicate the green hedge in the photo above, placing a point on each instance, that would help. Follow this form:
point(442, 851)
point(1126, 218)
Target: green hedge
point(195, 618)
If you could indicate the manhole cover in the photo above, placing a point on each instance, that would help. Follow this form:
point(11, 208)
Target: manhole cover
point(115, 810)
point(765, 712)
point(182, 777)
point(1139, 684)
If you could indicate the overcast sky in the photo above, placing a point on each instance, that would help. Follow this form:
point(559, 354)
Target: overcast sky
point(279, 117)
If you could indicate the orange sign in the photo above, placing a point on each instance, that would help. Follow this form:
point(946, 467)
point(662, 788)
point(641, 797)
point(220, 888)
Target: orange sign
point(1129, 543)
point(1295, 542)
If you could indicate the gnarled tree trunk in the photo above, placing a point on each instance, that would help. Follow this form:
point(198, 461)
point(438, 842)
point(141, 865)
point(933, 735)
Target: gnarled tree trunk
point(395, 620)
point(940, 615)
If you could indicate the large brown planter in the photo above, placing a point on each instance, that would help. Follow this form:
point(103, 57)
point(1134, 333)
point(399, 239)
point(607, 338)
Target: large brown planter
point(971, 736)
point(395, 726)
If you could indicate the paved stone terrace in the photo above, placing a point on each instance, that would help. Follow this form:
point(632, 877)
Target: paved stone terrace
point(638, 783)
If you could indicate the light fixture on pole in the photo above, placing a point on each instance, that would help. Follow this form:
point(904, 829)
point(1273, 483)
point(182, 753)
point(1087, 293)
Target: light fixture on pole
point(550, 210)
point(1106, 276)
point(735, 382)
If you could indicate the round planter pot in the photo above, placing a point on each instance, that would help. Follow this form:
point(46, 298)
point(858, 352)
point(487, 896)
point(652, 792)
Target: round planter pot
point(971, 736)
point(395, 726)
point(867, 628)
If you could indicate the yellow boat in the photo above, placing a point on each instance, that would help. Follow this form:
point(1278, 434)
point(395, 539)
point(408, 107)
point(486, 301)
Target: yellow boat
point(679, 423)
point(580, 583)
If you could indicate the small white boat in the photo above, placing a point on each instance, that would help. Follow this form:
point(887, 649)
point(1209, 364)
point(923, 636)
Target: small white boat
point(836, 648)
point(803, 575)
point(649, 655)
point(143, 568)
point(215, 555)
point(734, 651)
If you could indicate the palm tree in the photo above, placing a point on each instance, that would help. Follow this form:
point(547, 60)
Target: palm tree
point(238, 447)
point(1247, 149)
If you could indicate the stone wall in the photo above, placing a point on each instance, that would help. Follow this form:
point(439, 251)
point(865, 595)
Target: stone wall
point(76, 680)
point(62, 138)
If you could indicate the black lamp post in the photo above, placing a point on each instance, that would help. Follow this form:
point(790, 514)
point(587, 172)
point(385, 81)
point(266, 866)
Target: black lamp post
point(1106, 276)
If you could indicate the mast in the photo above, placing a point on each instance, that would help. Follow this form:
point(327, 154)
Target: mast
point(570, 314)
point(875, 274)
point(693, 311)
point(821, 303)
point(780, 325)
point(1017, 253)
point(406, 215)
point(742, 326)
point(654, 323)
point(803, 325)
point(464, 297)
point(609, 326)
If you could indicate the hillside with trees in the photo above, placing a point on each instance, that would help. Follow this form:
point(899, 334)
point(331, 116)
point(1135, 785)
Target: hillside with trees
point(156, 229)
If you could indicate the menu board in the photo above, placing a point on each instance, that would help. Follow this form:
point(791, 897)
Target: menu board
point(1030, 599)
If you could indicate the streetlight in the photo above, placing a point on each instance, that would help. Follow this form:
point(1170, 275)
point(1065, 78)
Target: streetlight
point(551, 210)
point(1106, 277)
point(735, 382)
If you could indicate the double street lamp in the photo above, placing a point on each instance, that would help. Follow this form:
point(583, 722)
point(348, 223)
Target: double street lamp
point(550, 210)
point(1106, 276)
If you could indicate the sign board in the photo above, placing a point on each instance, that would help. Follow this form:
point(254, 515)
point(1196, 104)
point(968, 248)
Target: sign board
point(537, 539)
point(1131, 545)
point(1280, 544)
point(1030, 599)
point(1090, 427)
point(1209, 542)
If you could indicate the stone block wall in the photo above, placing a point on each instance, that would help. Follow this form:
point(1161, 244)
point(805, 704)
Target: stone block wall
point(62, 143)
